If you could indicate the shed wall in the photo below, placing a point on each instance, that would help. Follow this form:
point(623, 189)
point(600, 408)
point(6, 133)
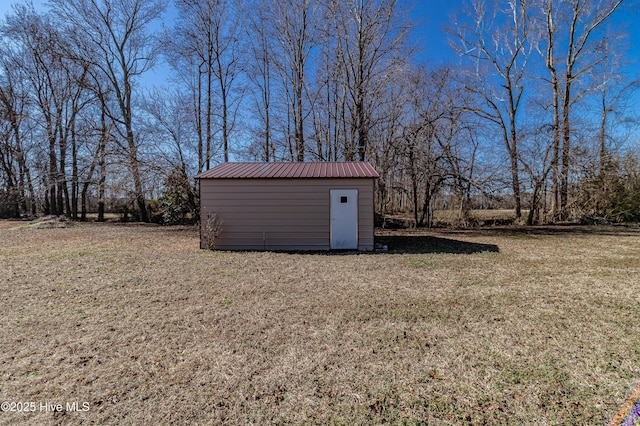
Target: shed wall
point(282, 214)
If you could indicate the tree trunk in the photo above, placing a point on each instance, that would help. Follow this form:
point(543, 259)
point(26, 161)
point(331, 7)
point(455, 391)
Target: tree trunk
point(101, 184)
point(427, 213)
point(515, 185)
point(534, 207)
point(53, 177)
point(602, 142)
point(64, 207)
point(209, 136)
point(75, 184)
point(198, 117)
point(143, 215)
point(298, 117)
point(566, 149)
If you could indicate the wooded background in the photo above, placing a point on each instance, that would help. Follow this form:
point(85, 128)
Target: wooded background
point(537, 111)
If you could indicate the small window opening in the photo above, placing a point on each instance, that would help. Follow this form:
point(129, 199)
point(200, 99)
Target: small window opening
point(343, 199)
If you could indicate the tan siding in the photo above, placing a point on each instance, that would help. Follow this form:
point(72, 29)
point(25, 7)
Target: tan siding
point(366, 219)
point(282, 214)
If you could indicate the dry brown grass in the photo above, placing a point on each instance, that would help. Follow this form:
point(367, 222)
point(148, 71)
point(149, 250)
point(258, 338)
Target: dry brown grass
point(476, 327)
point(451, 219)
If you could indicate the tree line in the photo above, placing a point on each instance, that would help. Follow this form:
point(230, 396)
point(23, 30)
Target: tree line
point(104, 105)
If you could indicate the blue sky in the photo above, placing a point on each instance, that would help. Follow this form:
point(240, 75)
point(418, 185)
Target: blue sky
point(430, 17)
point(5, 5)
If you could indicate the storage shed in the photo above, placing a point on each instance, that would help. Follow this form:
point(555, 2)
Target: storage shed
point(290, 206)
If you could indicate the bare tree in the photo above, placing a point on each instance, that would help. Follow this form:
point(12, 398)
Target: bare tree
point(430, 122)
point(116, 41)
point(568, 45)
point(100, 132)
point(535, 159)
point(612, 101)
point(614, 91)
point(190, 62)
point(371, 50)
point(386, 148)
point(170, 120)
point(14, 104)
point(293, 25)
point(260, 72)
point(58, 94)
point(496, 40)
point(205, 48)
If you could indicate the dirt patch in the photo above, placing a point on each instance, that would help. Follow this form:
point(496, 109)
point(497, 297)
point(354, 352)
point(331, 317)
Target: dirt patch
point(46, 222)
point(8, 223)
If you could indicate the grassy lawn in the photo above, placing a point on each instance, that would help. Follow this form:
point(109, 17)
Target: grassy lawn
point(502, 326)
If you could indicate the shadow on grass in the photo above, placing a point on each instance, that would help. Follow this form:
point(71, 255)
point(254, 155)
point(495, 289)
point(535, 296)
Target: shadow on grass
point(550, 230)
point(401, 244)
point(430, 244)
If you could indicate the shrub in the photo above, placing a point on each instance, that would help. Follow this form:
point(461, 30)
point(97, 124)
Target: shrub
point(9, 205)
point(211, 229)
point(177, 203)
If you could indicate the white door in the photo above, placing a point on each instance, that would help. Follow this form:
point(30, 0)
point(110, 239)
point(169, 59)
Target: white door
point(344, 219)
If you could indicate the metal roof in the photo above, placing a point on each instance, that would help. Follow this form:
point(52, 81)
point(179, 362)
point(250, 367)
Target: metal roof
point(290, 170)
